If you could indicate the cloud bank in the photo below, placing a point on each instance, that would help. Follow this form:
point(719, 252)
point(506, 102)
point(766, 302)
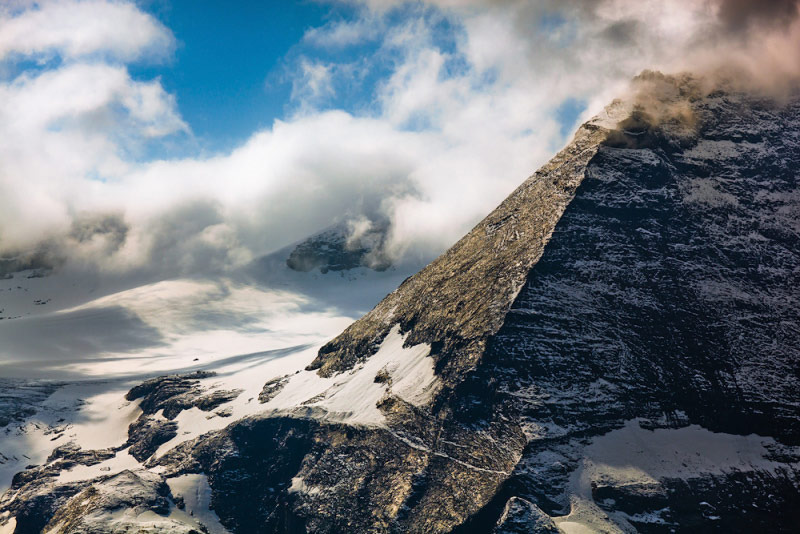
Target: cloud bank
point(463, 100)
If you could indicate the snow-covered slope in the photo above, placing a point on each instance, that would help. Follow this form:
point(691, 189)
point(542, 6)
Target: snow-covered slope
point(72, 345)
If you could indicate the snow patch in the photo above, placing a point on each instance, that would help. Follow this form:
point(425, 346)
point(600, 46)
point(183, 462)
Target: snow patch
point(570, 527)
point(246, 376)
point(117, 464)
point(351, 397)
point(196, 494)
point(634, 456)
point(94, 415)
point(299, 486)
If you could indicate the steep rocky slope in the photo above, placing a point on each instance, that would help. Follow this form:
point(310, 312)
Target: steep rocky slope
point(614, 349)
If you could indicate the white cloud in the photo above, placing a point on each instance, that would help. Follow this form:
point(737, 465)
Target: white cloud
point(345, 33)
point(79, 28)
point(313, 84)
point(64, 130)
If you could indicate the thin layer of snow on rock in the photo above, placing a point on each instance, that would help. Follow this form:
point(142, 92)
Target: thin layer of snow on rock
point(705, 191)
point(126, 519)
point(715, 150)
point(131, 501)
point(117, 464)
point(249, 376)
point(196, 495)
point(634, 456)
point(352, 397)
point(94, 415)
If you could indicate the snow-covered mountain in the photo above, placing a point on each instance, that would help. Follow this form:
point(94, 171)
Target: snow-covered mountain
point(343, 247)
point(613, 349)
point(72, 344)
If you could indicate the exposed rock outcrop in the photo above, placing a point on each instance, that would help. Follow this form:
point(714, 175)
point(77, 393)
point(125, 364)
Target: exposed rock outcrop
point(169, 395)
point(342, 247)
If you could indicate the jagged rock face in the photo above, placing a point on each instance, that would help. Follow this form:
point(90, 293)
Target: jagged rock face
point(250, 465)
point(668, 291)
point(670, 284)
point(459, 300)
point(523, 517)
point(169, 395)
point(44, 498)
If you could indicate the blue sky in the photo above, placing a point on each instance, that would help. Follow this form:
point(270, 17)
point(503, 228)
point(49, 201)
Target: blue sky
point(229, 68)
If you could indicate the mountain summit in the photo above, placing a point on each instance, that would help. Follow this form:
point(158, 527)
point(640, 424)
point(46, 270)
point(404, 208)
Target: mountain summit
point(615, 348)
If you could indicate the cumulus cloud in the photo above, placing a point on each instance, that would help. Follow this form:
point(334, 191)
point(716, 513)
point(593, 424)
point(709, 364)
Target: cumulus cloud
point(78, 28)
point(66, 132)
point(466, 106)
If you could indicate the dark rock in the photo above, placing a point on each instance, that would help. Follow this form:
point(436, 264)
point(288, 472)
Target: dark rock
point(272, 388)
point(72, 452)
point(211, 401)
point(156, 392)
point(383, 377)
point(170, 394)
point(523, 517)
point(146, 434)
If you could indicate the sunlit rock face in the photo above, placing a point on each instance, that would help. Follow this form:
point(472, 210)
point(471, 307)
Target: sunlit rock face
point(616, 348)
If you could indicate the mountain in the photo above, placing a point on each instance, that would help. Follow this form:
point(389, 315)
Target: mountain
point(342, 247)
point(615, 348)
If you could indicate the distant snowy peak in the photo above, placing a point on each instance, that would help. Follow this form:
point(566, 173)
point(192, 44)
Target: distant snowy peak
point(342, 247)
